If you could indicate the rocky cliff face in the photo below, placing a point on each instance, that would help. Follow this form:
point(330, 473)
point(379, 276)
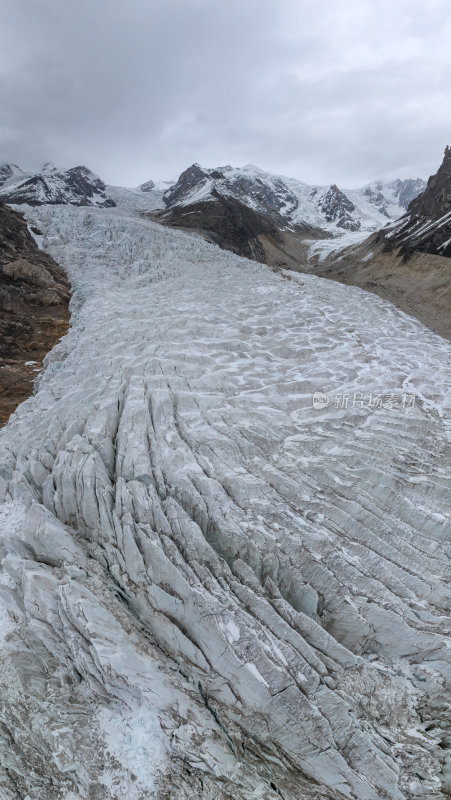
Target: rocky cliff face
point(192, 178)
point(375, 196)
point(76, 186)
point(435, 201)
point(267, 195)
point(228, 223)
point(338, 208)
point(406, 191)
point(426, 227)
point(34, 295)
point(148, 186)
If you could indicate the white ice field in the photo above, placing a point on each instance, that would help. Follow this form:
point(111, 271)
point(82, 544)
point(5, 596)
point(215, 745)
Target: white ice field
point(210, 588)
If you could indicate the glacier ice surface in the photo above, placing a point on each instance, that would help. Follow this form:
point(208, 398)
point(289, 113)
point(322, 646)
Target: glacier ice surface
point(209, 588)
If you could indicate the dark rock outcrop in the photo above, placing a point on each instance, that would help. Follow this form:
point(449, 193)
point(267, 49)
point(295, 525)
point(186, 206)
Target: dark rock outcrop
point(234, 226)
point(338, 208)
point(34, 296)
point(435, 201)
point(187, 181)
point(426, 227)
point(148, 186)
point(226, 222)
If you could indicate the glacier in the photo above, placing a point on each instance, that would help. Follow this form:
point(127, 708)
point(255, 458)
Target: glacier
point(210, 588)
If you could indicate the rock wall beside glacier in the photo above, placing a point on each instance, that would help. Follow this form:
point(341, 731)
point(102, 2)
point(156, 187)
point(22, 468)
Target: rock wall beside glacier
point(34, 298)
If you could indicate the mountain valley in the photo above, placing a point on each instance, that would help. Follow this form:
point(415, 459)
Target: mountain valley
point(224, 533)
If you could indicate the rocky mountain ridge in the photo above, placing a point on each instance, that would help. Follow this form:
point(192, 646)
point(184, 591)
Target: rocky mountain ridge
point(251, 211)
point(426, 227)
point(283, 202)
point(294, 201)
point(337, 208)
point(236, 220)
point(76, 186)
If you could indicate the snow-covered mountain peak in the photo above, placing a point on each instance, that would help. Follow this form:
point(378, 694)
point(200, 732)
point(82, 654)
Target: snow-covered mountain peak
point(297, 203)
point(252, 187)
point(190, 178)
point(76, 186)
point(286, 203)
point(339, 209)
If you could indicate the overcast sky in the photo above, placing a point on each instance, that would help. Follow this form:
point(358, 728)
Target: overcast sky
point(327, 91)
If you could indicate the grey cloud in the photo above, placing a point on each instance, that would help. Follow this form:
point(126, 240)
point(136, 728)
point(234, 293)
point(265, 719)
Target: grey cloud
point(141, 88)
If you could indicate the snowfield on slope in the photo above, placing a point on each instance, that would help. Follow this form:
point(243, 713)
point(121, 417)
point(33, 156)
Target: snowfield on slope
point(210, 588)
